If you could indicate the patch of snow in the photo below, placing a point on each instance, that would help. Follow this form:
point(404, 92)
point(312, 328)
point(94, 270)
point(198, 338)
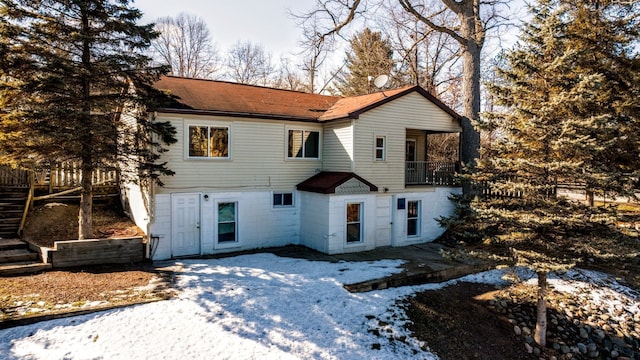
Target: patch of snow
point(53, 204)
point(256, 306)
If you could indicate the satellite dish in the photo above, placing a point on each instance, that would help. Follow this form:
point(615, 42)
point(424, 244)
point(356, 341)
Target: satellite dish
point(381, 81)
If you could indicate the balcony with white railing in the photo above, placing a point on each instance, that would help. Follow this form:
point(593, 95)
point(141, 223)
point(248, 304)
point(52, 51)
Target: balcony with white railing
point(436, 173)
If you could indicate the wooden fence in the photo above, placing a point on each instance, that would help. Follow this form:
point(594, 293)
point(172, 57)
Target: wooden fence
point(13, 177)
point(57, 176)
point(69, 175)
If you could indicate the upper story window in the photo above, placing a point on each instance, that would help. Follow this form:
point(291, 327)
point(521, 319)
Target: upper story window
point(208, 141)
point(380, 150)
point(303, 144)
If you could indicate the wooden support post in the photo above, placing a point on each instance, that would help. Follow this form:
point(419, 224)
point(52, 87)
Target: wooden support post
point(28, 203)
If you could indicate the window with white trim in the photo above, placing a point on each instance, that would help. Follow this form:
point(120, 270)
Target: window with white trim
point(227, 222)
point(354, 222)
point(208, 141)
point(380, 149)
point(413, 218)
point(303, 144)
point(282, 199)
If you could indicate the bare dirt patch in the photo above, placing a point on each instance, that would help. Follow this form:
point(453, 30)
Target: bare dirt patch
point(56, 292)
point(455, 325)
point(56, 221)
point(81, 288)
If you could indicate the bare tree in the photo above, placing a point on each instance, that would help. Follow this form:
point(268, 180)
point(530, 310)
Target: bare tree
point(425, 57)
point(185, 44)
point(473, 19)
point(288, 78)
point(315, 51)
point(247, 63)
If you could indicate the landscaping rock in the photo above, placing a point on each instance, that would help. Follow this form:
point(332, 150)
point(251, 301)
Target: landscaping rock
point(578, 327)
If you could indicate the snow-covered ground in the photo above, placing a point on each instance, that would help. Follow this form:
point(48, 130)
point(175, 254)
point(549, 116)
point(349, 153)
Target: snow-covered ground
point(247, 307)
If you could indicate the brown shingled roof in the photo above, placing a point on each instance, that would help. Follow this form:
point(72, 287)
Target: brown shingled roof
point(197, 96)
point(326, 182)
point(219, 97)
point(354, 105)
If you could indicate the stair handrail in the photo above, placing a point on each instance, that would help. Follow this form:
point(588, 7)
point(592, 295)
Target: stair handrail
point(28, 203)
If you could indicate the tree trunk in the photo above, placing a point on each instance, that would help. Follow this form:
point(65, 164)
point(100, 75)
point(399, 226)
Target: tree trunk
point(85, 221)
point(470, 138)
point(590, 198)
point(471, 94)
point(471, 45)
point(540, 335)
point(85, 218)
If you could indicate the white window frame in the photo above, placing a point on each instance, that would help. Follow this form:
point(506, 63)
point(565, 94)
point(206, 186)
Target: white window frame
point(235, 221)
point(303, 129)
point(417, 218)
point(209, 126)
point(282, 194)
point(383, 148)
point(415, 149)
point(360, 222)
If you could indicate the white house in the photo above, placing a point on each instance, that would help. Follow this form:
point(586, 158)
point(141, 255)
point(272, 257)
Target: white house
point(258, 167)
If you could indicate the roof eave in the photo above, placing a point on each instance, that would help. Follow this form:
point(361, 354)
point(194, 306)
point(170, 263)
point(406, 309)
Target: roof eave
point(236, 114)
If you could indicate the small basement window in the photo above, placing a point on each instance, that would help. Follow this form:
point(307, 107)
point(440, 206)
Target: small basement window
point(284, 199)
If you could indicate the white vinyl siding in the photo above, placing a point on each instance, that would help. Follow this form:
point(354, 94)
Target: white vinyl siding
point(392, 119)
point(258, 158)
point(338, 146)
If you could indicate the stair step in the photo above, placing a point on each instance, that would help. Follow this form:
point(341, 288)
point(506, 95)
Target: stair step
point(17, 255)
point(11, 219)
point(12, 211)
point(12, 196)
point(8, 234)
point(13, 188)
point(13, 201)
point(10, 244)
point(23, 267)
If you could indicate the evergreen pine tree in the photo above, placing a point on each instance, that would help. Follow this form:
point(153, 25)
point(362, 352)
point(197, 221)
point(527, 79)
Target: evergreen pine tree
point(369, 56)
point(570, 96)
point(70, 67)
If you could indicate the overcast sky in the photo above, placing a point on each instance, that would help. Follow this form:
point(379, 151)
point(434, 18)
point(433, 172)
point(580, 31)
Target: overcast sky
point(264, 22)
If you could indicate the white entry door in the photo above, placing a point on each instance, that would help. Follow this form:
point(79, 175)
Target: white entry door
point(185, 224)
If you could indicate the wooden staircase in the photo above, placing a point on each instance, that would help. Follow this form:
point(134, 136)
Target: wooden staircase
point(17, 258)
point(12, 202)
